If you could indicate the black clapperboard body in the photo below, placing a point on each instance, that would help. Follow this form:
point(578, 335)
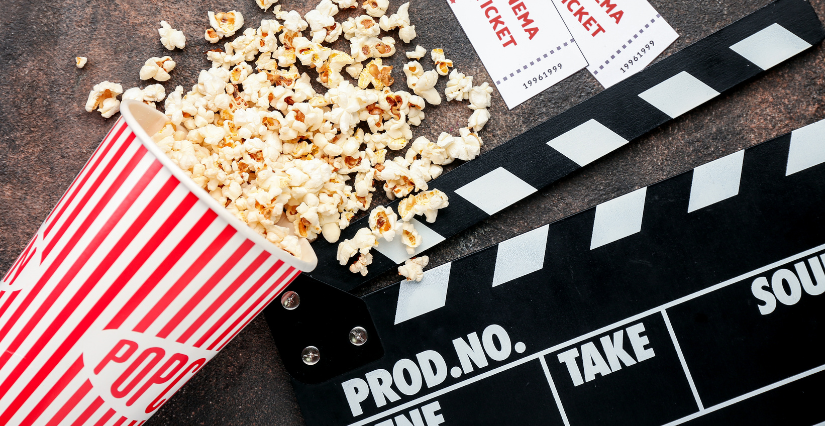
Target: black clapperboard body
point(697, 300)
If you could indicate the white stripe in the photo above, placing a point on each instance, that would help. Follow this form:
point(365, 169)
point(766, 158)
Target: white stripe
point(748, 395)
point(418, 298)
point(587, 142)
point(679, 94)
point(82, 405)
point(211, 297)
point(807, 148)
point(104, 185)
point(682, 360)
point(716, 181)
point(770, 47)
point(495, 191)
point(520, 256)
point(396, 251)
point(554, 391)
point(189, 292)
point(618, 218)
point(587, 336)
point(174, 274)
point(245, 303)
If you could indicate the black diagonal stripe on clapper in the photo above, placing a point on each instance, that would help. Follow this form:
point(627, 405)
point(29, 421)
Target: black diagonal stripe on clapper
point(619, 108)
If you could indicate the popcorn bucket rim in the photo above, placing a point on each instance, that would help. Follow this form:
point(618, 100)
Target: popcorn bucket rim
point(306, 264)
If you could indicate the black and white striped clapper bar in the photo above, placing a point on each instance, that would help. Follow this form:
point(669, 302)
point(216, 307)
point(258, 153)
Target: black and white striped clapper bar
point(697, 300)
point(594, 128)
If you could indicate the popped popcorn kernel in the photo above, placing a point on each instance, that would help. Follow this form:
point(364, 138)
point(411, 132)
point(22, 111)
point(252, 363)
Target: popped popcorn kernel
point(383, 222)
point(360, 265)
point(376, 8)
point(171, 38)
point(157, 68)
point(410, 237)
point(458, 87)
point(418, 53)
point(225, 24)
point(81, 61)
point(377, 74)
point(413, 269)
point(481, 96)
point(442, 64)
point(103, 98)
point(265, 4)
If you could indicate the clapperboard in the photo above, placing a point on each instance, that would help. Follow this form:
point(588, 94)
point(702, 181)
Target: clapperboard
point(693, 300)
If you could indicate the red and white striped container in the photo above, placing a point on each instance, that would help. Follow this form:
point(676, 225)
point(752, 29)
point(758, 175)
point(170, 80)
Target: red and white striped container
point(135, 280)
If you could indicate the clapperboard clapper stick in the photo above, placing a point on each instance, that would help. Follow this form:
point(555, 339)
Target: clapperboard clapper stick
point(593, 129)
point(569, 141)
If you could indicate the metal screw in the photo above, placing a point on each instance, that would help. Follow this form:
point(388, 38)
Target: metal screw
point(290, 300)
point(358, 336)
point(310, 355)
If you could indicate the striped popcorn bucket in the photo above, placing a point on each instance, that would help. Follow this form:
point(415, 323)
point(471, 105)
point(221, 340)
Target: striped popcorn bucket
point(135, 280)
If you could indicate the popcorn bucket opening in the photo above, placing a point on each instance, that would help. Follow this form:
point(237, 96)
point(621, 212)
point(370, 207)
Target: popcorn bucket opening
point(133, 282)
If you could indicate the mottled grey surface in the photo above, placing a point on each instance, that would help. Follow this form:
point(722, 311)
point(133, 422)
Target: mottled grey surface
point(46, 137)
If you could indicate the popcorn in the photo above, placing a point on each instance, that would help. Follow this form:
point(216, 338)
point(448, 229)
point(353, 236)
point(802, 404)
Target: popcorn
point(360, 265)
point(418, 53)
point(295, 164)
point(293, 22)
point(466, 147)
point(400, 20)
point(225, 24)
point(481, 96)
point(103, 98)
point(362, 242)
point(413, 269)
point(458, 87)
point(376, 8)
point(81, 61)
point(410, 237)
point(212, 36)
point(157, 68)
point(171, 38)
point(377, 74)
point(478, 119)
point(425, 87)
point(383, 223)
point(265, 4)
point(442, 64)
point(425, 203)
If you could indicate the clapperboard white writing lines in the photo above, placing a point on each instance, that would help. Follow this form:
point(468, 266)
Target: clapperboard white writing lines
point(598, 126)
point(603, 331)
point(619, 218)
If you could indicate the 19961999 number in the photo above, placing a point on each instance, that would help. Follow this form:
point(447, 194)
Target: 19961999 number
point(542, 76)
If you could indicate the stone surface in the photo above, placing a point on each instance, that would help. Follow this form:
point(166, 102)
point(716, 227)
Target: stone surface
point(46, 137)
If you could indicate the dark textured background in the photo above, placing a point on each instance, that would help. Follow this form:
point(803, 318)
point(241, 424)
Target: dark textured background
point(46, 137)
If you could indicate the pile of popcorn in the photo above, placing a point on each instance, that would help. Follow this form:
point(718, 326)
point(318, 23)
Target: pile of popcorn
point(293, 163)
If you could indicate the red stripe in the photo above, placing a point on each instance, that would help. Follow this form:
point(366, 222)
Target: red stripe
point(205, 289)
point(120, 422)
point(8, 302)
point(87, 321)
point(222, 298)
point(105, 417)
point(71, 404)
point(85, 166)
point(87, 413)
point(92, 190)
point(276, 288)
point(76, 189)
point(22, 267)
point(237, 305)
point(34, 319)
point(21, 257)
point(47, 399)
point(168, 263)
point(186, 279)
